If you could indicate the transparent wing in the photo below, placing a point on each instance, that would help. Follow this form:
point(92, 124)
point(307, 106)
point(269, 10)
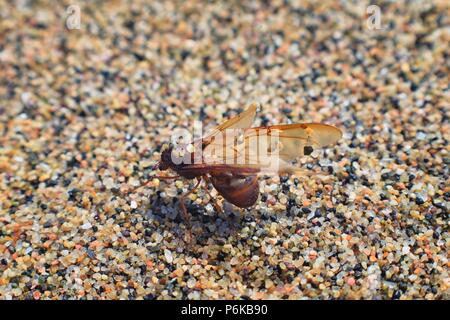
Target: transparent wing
point(294, 140)
point(269, 148)
point(243, 120)
point(213, 139)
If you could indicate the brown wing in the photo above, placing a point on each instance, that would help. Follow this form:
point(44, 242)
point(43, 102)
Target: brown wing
point(214, 139)
point(242, 191)
point(295, 140)
point(243, 120)
point(271, 148)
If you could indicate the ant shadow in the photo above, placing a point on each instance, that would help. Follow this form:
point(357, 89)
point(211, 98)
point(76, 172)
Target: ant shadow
point(205, 225)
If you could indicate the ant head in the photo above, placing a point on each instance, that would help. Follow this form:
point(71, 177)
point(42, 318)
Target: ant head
point(165, 161)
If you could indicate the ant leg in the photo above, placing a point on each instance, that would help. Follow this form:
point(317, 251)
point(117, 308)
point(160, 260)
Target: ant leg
point(165, 177)
point(214, 200)
point(186, 216)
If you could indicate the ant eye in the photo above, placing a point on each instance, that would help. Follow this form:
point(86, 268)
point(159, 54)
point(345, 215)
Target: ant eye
point(307, 150)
